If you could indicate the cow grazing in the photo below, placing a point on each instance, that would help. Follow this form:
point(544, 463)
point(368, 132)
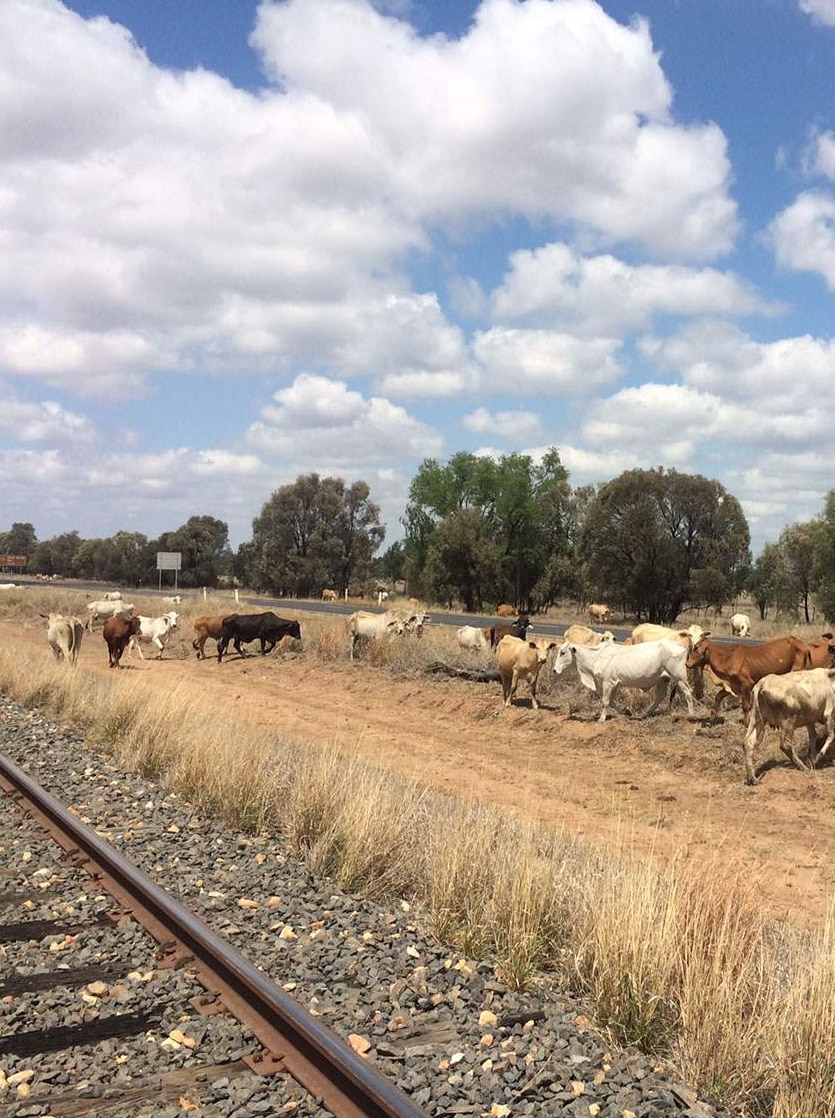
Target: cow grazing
point(173, 599)
point(205, 627)
point(519, 660)
point(742, 665)
point(112, 596)
point(7, 586)
point(598, 613)
point(155, 631)
point(328, 595)
point(785, 702)
point(741, 625)
point(582, 634)
point(364, 625)
point(103, 610)
point(610, 666)
point(504, 610)
point(117, 633)
point(476, 640)
point(64, 634)
point(414, 621)
point(520, 628)
point(268, 628)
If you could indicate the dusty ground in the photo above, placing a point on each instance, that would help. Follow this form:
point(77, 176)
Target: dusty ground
point(665, 786)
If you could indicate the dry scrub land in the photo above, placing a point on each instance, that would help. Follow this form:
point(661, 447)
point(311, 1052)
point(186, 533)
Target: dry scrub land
point(665, 785)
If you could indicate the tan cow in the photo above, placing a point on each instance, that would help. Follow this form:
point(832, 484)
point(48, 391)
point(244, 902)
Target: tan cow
point(328, 595)
point(598, 613)
point(518, 660)
point(205, 627)
point(786, 702)
point(504, 610)
point(64, 634)
point(582, 634)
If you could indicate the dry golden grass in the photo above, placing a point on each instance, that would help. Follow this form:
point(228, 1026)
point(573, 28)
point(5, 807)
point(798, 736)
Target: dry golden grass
point(677, 958)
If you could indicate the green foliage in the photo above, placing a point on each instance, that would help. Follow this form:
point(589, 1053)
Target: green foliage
point(647, 532)
point(203, 543)
point(483, 529)
point(314, 533)
point(823, 562)
point(19, 540)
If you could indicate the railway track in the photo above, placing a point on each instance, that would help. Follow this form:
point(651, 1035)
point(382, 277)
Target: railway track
point(208, 977)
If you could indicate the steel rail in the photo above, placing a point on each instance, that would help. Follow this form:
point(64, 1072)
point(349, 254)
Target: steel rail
point(295, 1042)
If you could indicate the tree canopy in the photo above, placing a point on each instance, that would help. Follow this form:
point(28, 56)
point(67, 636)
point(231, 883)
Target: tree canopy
point(314, 533)
point(652, 539)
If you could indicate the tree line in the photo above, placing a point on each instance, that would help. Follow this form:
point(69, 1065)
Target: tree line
point(478, 531)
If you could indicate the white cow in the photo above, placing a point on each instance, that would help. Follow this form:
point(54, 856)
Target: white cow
point(102, 610)
point(112, 596)
point(7, 586)
point(175, 599)
point(413, 622)
point(476, 640)
point(786, 702)
point(604, 669)
point(372, 626)
point(64, 634)
point(741, 625)
point(153, 630)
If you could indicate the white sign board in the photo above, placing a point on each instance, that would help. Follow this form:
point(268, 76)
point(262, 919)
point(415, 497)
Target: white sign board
point(169, 560)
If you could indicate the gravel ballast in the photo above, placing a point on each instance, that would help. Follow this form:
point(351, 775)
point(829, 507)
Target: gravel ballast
point(443, 1027)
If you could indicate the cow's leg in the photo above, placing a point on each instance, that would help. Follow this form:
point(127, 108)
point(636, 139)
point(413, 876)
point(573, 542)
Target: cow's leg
point(532, 685)
point(221, 648)
point(239, 648)
point(787, 745)
point(159, 645)
point(753, 739)
point(687, 691)
point(660, 692)
point(506, 689)
point(608, 694)
point(830, 736)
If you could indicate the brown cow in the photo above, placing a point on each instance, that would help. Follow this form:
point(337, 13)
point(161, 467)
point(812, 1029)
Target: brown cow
point(205, 627)
point(822, 651)
point(598, 614)
point(328, 595)
point(742, 665)
point(505, 610)
point(520, 629)
point(117, 633)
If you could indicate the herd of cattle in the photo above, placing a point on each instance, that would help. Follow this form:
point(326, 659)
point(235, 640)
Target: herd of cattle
point(785, 683)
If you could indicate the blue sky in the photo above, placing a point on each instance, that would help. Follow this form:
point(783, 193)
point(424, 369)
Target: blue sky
point(244, 241)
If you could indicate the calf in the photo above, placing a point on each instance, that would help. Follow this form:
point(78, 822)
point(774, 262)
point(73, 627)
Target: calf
point(268, 628)
point(786, 702)
point(822, 651)
point(518, 660)
point(155, 631)
point(205, 627)
point(117, 633)
point(64, 635)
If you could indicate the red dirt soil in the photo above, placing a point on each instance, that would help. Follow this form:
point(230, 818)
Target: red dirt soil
point(664, 786)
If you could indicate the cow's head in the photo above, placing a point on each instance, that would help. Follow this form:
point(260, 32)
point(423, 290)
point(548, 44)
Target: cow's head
point(698, 654)
point(565, 655)
point(171, 618)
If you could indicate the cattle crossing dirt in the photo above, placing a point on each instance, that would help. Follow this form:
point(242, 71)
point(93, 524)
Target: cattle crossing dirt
point(665, 786)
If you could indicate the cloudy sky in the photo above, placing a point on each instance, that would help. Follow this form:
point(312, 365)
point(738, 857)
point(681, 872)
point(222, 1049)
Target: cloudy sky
point(242, 241)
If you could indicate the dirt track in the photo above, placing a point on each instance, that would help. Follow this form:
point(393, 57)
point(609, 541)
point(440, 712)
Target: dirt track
point(664, 784)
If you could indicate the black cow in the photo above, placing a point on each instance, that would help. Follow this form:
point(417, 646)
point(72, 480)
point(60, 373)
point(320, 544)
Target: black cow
point(519, 628)
point(266, 627)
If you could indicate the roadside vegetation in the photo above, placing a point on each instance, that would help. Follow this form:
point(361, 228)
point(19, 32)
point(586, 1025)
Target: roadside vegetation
point(675, 957)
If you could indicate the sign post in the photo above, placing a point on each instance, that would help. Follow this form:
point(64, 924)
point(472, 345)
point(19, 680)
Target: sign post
point(169, 561)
